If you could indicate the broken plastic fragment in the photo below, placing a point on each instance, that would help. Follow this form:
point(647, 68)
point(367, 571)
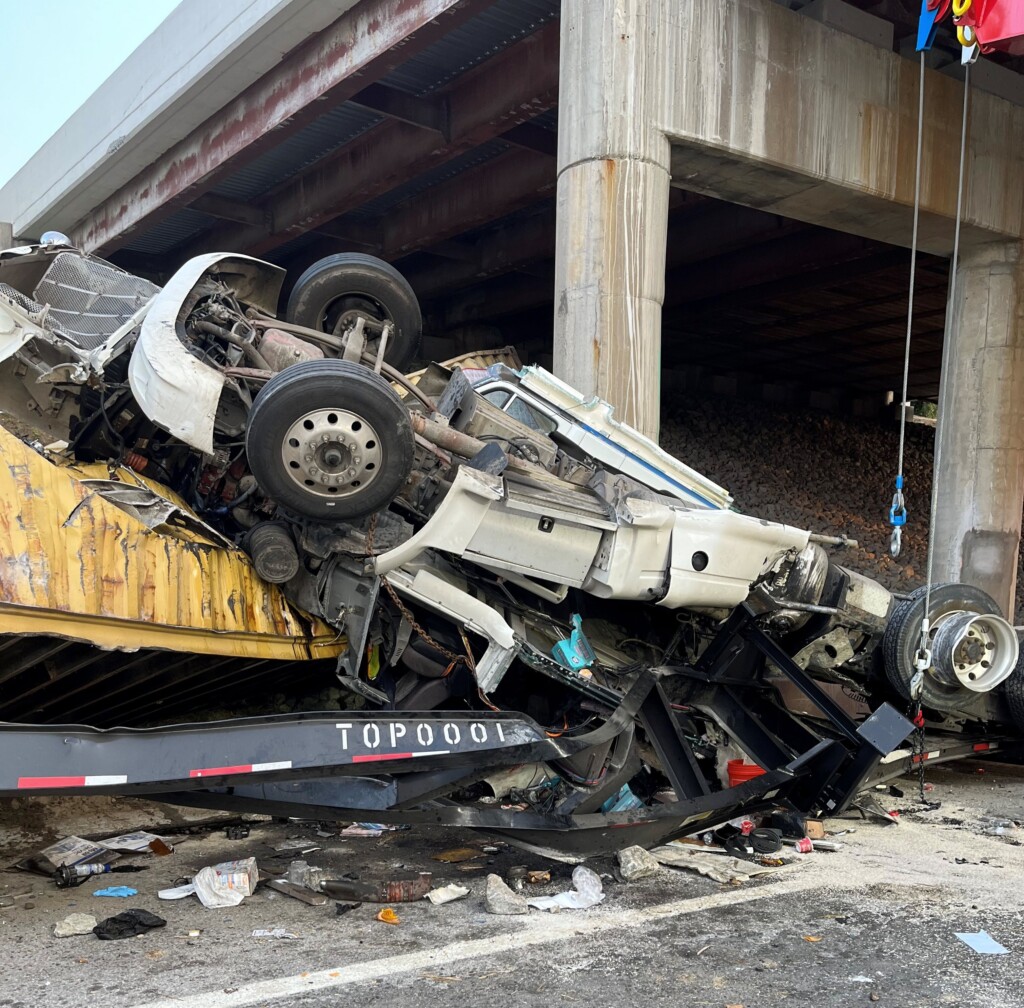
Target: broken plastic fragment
point(981, 941)
point(588, 892)
point(388, 916)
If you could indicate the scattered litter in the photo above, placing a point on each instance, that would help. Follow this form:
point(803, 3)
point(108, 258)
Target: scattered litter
point(447, 894)
point(635, 863)
point(811, 938)
point(536, 877)
point(138, 842)
point(499, 899)
point(127, 925)
point(275, 933)
point(156, 954)
point(814, 828)
point(340, 909)
point(587, 893)
point(470, 867)
point(236, 832)
point(226, 884)
point(982, 941)
point(713, 866)
point(457, 855)
point(517, 877)
point(74, 850)
point(860, 978)
point(490, 849)
point(74, 924)
point(300, 846)
point(69, 876)
point(178, 892)
point(388, 916)
point(298, 892)
point(356, 830)
point(119, 891)
point(404, 890)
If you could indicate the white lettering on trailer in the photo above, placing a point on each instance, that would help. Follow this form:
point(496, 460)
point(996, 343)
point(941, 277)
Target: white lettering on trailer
point(343, 728)
point(478, 732)
point(452, 735)
point(397, 731)
point(500, 730)
point(424, 734)
point(371, 731)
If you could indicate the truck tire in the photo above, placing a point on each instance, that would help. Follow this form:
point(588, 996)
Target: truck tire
point(902, 635)
point(337, 287)
point(329, 440)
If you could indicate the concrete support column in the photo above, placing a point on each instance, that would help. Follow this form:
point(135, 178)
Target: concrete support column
point(6, 234)
point(612, 216)
point(979, 460)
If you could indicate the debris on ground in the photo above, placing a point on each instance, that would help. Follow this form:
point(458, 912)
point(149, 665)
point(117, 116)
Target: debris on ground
point(388, 916)
point(457, 855)
point(635, 863)
point(127, 925)
point(401, 890)
point(139, 842)
point(74, 924)
point(714, 866)
point(981, 941)
point(298, 892)
point(447, 894)
point(500, 899)
point(275, 933)
point(226, 884)
point(117, 891)
point(537, 877)
point(588, 892)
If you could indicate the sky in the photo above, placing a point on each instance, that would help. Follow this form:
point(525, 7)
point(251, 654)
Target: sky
point(66, 50)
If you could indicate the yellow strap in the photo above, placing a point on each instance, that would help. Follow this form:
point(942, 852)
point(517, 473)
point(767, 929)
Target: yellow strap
point(965, 36)
point(961, 7)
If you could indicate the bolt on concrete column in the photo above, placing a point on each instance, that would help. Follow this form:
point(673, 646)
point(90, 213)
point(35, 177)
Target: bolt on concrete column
point(612, 206)
point(979, 456)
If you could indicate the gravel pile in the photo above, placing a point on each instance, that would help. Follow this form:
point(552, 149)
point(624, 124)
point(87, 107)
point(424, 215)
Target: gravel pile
point(825, 473)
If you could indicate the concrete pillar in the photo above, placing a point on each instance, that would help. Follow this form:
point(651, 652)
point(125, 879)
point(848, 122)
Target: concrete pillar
point(612, 199)
point(6, 234)
point(979, 456)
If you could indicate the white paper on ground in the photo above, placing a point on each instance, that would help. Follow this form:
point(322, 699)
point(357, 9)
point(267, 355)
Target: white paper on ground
point(981, 941)
point(74, 850)
point(178, 892)
point(588, 893)
point(138, 841)
point(446, 894)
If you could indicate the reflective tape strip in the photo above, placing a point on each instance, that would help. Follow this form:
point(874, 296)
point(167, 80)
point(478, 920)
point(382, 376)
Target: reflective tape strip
point(433, 752)
point(223, 771)
point(381, 757)
point(90, 781)
point(982, 746)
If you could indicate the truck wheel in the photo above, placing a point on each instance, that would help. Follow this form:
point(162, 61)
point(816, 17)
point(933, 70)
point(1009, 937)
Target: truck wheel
point(940, 691)
point(329, 440)
point(1013, 690)
point(334, 291)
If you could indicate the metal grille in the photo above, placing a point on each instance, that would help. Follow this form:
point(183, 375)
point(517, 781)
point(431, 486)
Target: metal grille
point(89, 298)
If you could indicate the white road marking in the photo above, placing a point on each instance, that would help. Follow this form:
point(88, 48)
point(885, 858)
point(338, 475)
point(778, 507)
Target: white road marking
point(541, 930)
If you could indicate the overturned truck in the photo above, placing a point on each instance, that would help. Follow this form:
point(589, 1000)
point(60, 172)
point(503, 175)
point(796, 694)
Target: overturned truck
point(542, 625)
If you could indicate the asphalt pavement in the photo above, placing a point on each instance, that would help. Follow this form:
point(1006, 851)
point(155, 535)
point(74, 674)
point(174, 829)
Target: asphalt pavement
point(872, 923)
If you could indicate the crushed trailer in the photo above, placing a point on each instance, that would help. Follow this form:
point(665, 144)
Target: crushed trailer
point(539, 623)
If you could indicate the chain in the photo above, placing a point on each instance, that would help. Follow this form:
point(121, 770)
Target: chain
point(453, 658)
